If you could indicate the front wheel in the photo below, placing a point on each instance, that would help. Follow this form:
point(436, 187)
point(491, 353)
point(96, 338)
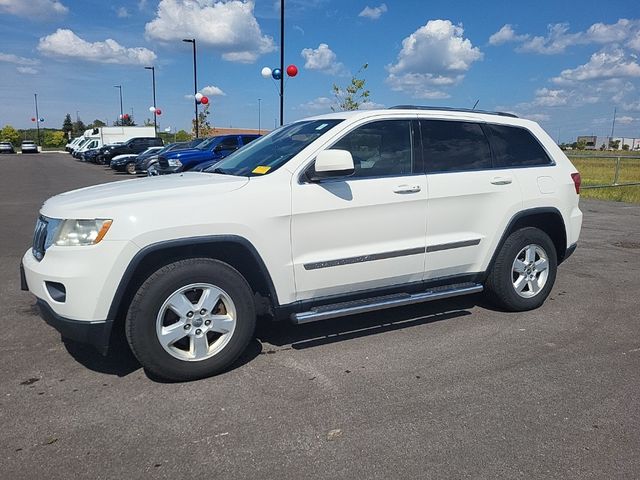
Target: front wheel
point(191, 319)
point(130, 168)
point(524, 271)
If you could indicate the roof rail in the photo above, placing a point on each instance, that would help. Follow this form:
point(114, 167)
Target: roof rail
point(450, 109)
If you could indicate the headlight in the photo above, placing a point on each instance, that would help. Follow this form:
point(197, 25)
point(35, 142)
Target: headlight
point(174, 162)
point(79, 232)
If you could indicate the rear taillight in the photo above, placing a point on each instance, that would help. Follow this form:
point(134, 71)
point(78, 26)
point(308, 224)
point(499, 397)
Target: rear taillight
point(576, 181)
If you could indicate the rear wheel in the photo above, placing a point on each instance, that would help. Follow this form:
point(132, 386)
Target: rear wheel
point(524, 271)
point(191, 319)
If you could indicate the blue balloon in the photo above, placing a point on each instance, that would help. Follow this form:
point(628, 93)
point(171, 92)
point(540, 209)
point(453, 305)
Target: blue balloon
point(276, 74)
point(42, 119)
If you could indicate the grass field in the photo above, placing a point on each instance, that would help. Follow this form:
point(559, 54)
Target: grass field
point(601, 171)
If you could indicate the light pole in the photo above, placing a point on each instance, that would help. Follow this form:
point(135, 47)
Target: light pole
point(119, 87)
point(155, 120)
point(259, 101)
point(195, 80)
point(35, 95)
point(281, 62)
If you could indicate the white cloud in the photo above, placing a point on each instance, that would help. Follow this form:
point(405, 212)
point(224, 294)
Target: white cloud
point(373, 13)
point(122, 12)
point(228, 26)
point(212, 91)
point(504, 35)
point(318, 105)
point(536, 117)
point(322, 58)
point(66, 44)
point(27, 70)
point(625, 120)
point(41, 9)
point(558, 37)
point(371, 106)
point(546, 97)
point(11, 58)
point(607, 63)
point(434, 56)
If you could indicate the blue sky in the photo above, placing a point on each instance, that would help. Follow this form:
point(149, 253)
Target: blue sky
point(565, 64)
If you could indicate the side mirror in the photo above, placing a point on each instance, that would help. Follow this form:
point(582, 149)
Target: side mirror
point(333, 163)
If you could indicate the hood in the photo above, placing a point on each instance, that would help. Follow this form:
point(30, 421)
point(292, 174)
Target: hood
point(187, 153)
point(141, 194)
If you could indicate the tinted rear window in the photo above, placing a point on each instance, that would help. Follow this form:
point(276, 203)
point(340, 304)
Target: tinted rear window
point(454, 146)
point(515, 147)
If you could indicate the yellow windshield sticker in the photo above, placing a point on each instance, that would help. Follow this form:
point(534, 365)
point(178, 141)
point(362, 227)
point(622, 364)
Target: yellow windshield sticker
point(261, 170)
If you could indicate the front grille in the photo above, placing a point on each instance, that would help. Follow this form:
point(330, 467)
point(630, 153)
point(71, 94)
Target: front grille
point(39, 238)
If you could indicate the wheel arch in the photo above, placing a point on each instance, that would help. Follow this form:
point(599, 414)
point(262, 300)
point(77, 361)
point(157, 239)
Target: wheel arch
point(233, 250)
point(547, 219)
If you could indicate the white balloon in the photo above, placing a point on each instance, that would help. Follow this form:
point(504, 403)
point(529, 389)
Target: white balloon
point(152, 109)
point(266, 72)
point(199, 96)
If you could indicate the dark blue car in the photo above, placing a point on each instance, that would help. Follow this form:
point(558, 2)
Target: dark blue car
point(214, 148)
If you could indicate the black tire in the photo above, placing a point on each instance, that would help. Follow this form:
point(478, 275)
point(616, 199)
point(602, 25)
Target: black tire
point(140, 325)
point(499, 285)
point(130, 168)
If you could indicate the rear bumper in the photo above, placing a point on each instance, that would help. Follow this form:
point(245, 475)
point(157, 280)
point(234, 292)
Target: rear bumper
point(96, 334)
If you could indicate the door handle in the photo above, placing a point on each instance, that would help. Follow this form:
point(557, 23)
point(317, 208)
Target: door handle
point(407, 189)
point(501, 180)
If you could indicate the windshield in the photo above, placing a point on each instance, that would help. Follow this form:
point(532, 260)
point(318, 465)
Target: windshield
point(270, 152)
point(207, 143)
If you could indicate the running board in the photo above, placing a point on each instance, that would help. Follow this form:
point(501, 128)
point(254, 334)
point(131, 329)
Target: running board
point(326, 312)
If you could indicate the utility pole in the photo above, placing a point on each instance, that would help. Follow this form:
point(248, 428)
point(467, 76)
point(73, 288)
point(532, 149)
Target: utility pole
point(119, 87)
point(155, 107)
point(195, 80)
point(613, 125)
point(282, 73)
point(35, 95)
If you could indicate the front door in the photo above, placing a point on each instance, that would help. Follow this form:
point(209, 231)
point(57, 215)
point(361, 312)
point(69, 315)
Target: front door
point(366, 230)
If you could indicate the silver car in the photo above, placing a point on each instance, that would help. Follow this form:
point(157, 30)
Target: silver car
point(28, 147)
point(6, 147)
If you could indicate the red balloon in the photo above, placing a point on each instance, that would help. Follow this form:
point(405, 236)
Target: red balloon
point(33, 119)
point(292, 70)
point(204, 100)
point(158, 112)
point(126, 116)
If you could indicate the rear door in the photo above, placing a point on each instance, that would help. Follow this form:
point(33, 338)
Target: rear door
point(469, 202)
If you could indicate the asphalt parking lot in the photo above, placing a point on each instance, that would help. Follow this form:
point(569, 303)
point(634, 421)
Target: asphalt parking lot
point(441, 390)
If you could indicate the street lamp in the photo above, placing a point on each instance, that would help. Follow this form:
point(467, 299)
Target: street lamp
point(153, 77)
point(35, 95)
point(281, 62)
point(119, 87)
point(195, 80)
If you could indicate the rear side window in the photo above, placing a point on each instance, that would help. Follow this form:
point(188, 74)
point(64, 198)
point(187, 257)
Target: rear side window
point(515, 147)
point(246, 139)
point(450, 146)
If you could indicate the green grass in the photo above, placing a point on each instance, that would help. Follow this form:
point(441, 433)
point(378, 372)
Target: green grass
point(601, 171)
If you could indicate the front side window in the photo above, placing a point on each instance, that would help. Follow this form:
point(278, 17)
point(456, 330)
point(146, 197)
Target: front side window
point(229, 143)
point(451, 146)
point(515, 147)
point(381, 148)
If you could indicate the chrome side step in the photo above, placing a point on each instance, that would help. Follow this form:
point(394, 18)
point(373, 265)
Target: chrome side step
point(326, 312)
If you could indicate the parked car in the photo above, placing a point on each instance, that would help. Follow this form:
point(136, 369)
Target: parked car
point(6, 147)
point(28, 146)
point(214, 148)
point(127, 163)
point(133, 146)
point(323, 218)
point(143, 165)
point(73, 143)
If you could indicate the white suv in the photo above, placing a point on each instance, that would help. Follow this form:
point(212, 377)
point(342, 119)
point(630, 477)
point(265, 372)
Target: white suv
point(326, 217)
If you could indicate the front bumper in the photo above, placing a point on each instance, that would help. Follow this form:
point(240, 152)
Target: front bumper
point(96, 334)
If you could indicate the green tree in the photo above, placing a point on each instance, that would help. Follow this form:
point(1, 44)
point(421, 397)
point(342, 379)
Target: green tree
point(10, 134)
point(614, 144)
point(128, 121)
point(78, 128)
point(625, 147)
point(353, 95)
point(97, 124)
point(67, 125)
point(204, 126)
point(182, 136)
point(54, 138)
point(581, 145)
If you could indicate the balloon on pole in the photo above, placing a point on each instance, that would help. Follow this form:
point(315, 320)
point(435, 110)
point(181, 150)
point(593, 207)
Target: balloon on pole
point(152, 109)
point(276, 74)
point(266, 72)
point(292, 70)
point(204, 100)
point(199, 97)
point(33, 119)
point(158, 111)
